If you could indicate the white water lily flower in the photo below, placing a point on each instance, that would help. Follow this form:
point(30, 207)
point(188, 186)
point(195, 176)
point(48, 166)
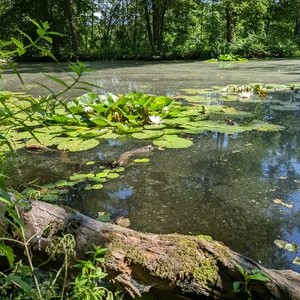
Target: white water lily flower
point(155, 119)
point(245, 94)
point(88, 109)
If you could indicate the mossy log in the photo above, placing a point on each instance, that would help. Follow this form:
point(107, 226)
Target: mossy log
point(190, 266)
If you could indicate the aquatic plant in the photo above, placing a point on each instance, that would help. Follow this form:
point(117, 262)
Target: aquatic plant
point(244, 286)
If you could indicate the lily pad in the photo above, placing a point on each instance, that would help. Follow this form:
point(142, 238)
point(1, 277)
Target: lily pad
point(97, 186)
point(50, 197)
point(154, 126)
point(141, 160)
point(78, 145)
point(148, 134)
point(102, 175)
point(173, 141)
point(113, 175)
point(119, 169)
point(61, 183)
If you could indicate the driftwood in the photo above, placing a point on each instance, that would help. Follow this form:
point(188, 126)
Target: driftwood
point(193, 267)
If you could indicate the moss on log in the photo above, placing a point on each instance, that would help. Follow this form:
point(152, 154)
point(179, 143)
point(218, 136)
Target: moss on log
point(192, 266)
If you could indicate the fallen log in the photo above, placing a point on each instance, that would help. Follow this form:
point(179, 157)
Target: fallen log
point(192, 266)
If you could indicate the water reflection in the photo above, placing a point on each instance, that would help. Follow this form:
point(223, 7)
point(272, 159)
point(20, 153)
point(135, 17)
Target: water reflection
point(223, 186)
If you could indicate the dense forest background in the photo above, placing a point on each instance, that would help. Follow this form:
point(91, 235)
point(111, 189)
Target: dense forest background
point(167, 29)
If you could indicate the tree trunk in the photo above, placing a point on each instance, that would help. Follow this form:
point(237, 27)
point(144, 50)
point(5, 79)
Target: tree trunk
point(230, 22)
point(68, 9)
point(186, 265)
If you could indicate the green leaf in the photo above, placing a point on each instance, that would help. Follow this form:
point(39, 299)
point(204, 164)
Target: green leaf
point(259, 276)
point(148, 134)
point(236, 286)
point(18, 43)
point(97, 186)
point(292, 247)
point(173, 141)
point(100, 121)
point(296, 261)
point(78, 145)
point(8, 252)
point(113, 175)
point(103, 217)
point(141, 160)
point(241, 270)
point(57, 80)
point(20, 283)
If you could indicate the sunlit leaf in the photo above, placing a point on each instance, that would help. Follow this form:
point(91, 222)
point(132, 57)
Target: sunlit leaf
point(173, 141)
point(7, 251)
point(292, 247)
point(141, 160)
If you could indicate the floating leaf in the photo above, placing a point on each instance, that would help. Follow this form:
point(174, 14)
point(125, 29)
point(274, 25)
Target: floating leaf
point(154, 126)
point(50, 197)
point(296, 260)
point(102, 174)
point(280, 202)
point(148, 134)
point(78, 145)
point(173, 141)
point(97, 186)
point(89, 163)
point(103, 217)
point(292, 247)
point(78, 177)
point(113, 175)
point(61, 183)
point(119, 169)
point(141, 160)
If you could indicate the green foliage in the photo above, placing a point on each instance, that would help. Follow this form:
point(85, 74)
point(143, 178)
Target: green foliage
point(228, 57)
point(87, 284)
point(244, 286)
point(21, 281)
point(181, 29)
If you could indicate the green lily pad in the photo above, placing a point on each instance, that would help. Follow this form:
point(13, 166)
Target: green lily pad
point(78, 177)
point(141, 160)
point(148, 134)
point(263, 126)
point(170, 131)
point(50, 197)
point(50, 129)
point(103, 217)
point(61, 183)
point(102, 175)
point(119, 169)
point(89, 163)
point(176, 121)
point(296, 260)
point(78, 145)
point(98, 179)
point(173, 141)
point(97, 186)
point(113, 175)
point(154, 126)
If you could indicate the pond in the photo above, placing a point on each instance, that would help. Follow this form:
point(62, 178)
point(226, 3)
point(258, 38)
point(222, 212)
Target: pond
point(242, 189)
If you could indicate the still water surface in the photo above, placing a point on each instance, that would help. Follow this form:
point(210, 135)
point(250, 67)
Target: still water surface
point(223, 186)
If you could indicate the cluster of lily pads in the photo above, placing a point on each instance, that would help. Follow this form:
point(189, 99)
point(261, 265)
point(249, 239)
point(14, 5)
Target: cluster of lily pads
point(82, 123)
point(51, 192)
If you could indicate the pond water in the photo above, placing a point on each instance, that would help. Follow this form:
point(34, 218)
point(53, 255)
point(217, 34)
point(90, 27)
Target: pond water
point(223, 186)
